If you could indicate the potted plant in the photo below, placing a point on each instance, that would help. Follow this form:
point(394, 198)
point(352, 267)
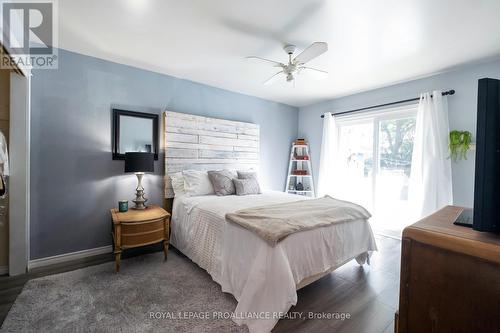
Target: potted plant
point(460, 142)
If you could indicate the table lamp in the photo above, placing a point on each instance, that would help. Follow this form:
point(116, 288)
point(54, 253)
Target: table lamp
point(139, 163)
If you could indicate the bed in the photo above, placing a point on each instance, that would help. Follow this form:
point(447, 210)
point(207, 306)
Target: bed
point(263, 278)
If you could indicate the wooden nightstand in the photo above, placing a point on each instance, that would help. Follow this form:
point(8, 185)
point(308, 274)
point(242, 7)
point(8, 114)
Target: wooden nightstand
point(139, 228)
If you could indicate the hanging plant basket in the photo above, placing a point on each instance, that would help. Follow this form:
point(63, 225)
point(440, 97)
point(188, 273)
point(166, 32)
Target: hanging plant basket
point(460, 142)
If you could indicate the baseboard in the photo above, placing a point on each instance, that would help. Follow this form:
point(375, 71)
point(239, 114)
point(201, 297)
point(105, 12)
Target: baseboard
point(61, 258)
point(4, 270)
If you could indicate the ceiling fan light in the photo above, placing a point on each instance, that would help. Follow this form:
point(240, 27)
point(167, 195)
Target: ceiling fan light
point(296, 65)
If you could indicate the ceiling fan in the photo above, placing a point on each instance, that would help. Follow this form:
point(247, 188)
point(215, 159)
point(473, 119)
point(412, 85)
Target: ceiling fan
point(296, 66)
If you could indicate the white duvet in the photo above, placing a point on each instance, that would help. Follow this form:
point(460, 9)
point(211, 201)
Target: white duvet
point(262, 278)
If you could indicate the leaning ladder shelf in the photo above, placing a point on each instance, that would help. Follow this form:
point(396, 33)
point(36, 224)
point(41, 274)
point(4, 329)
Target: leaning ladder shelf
point(300, 162)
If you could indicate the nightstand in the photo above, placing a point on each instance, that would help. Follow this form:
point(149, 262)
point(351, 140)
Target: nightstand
point(136, 228)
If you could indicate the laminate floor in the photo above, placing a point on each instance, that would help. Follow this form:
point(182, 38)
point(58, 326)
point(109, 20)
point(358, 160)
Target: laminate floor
point(367, 294)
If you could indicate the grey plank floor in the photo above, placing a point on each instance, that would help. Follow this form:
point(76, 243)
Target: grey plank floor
point(368, 293)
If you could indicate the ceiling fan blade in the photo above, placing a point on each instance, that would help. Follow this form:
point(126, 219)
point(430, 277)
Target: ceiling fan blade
point(317, 74)
point(314, 50)
point(275, 63)
point(273, 78)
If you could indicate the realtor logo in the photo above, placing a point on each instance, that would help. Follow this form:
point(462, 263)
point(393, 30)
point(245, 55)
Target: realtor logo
point(28, 34)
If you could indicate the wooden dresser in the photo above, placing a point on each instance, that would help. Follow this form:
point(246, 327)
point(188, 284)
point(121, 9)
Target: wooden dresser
point(450, 277)
point(136, 228)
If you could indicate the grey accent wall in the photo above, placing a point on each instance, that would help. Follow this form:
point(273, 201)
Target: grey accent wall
point(462, 114)
point(74, 181)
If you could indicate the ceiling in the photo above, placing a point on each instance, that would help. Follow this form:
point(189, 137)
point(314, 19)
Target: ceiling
point(372, 43)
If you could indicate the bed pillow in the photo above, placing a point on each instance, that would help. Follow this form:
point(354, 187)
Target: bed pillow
point(178, 183)
point(222, 181)
point(246, 186)
point(247, 174)
point(233, 172)
point(197, 183)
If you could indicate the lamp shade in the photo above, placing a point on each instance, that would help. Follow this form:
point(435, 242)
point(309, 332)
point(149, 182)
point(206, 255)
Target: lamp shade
point(139, 162)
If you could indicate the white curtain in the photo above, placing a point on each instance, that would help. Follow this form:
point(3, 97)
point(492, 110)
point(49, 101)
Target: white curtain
point(430, 186)
point(328, 163)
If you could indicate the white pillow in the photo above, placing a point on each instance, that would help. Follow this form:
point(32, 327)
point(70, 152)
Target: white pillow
point(178, 184)
point(197, 183)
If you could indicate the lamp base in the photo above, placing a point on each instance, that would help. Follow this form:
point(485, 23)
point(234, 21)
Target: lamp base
point(140, 200)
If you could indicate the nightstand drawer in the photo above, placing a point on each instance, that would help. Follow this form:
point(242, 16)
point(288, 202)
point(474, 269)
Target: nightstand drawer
point(135, 227)
point(142, 238)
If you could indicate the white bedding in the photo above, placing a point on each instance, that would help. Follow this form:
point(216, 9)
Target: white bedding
point(263, 279)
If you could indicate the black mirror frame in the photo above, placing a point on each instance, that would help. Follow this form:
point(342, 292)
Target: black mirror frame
point(116, 131)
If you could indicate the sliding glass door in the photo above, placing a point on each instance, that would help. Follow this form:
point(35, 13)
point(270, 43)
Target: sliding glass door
point(356, 157)
point(375, 153)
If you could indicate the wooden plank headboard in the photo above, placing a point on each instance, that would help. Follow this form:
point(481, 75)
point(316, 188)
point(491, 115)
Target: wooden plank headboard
point(202, 143)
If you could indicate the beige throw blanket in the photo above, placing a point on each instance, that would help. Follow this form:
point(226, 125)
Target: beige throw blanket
point(275, 222)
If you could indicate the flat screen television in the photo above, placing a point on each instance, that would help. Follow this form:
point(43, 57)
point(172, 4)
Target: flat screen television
point(486, 213)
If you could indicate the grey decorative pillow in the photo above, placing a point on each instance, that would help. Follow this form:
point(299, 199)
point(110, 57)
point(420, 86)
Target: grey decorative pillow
point(222, 181)
point(247, 174)
point(246, 186)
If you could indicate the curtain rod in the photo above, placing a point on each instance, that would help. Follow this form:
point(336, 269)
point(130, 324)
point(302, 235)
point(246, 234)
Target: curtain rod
point(444, 93)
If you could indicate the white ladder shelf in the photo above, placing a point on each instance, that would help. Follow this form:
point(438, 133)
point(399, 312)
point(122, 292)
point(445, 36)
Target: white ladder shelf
point(295, 183)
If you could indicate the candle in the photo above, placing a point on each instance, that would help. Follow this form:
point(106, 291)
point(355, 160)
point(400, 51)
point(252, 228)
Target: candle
point(123, 206)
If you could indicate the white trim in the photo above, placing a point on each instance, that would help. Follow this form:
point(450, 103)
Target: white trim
point(4, 270)
point(28, 171)
point(61, 258)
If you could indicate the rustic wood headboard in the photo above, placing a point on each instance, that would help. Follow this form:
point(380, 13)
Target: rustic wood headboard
point(202, 143)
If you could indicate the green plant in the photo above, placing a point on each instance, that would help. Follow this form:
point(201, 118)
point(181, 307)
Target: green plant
point(459, 144)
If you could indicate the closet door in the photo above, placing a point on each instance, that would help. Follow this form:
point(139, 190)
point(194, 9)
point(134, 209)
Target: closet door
point(19, 173)
point(4, 136)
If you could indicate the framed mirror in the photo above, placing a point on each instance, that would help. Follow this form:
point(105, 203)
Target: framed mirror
point(134, 132)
